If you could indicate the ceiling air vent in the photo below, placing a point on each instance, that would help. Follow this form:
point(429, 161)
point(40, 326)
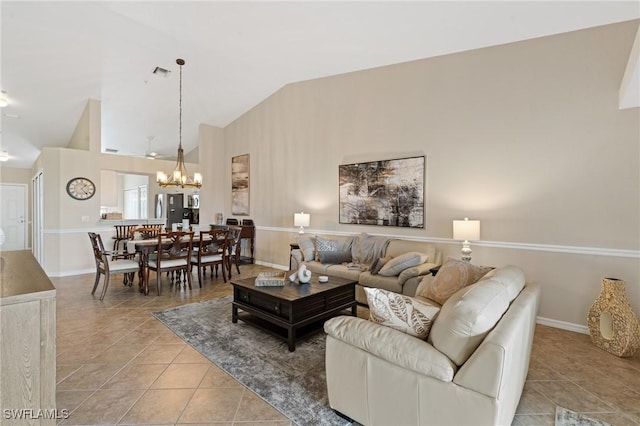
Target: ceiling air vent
point(111, 150)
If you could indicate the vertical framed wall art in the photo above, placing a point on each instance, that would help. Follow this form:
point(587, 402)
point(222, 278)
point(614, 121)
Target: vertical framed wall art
point(240, 185)
point(386, 192)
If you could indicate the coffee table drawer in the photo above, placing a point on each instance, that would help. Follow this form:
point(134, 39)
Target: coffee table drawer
point(317, 304)
point(264, 302)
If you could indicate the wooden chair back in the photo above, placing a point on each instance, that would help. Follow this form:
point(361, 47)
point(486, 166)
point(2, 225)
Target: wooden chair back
point(146, 232)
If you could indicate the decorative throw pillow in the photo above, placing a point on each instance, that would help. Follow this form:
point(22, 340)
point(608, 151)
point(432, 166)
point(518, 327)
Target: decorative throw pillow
point(334, 257)
point(400, 312)
point(323, 244)
point(453, 275)
point(402, 262)
point(307, 247)
point(378, 264)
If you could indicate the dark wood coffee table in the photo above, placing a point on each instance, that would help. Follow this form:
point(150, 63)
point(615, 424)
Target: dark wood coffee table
point(295, 310)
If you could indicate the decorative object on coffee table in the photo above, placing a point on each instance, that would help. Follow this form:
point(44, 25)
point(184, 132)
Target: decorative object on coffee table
point(612, 324)
point(304, 275)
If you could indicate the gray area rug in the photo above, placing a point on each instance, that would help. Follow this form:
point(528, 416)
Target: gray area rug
point(566, 417)
point(292, 382)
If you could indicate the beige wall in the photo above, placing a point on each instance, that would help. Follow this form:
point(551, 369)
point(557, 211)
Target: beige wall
point(527, 137)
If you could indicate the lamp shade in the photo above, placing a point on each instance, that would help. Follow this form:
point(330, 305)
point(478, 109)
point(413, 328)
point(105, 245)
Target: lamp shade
point(467, 230)
point(301, 219)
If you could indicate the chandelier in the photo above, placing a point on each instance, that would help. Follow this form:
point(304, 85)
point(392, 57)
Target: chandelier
point(179, 177)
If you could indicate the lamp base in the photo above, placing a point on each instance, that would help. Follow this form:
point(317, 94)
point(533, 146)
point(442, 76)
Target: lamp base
point(466, 251)
point(301, 230)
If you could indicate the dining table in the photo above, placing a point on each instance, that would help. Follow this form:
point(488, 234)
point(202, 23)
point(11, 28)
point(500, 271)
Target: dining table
point(144, 248)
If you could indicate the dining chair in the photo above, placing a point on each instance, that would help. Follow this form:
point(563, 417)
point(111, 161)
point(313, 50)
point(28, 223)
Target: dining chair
point(145, 232)
point(234, 248)
point(173, 254)
point(107, 267)
point(122, 235)
point(211, 252)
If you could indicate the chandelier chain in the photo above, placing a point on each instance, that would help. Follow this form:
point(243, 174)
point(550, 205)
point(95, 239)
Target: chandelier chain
point(180, 127)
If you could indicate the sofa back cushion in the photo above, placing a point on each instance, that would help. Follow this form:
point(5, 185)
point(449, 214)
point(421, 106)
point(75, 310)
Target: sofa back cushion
point(453, 275)
point(309, 245)
point(398, 247)
point(511, 277)
point(398, 264)
point(467, 317)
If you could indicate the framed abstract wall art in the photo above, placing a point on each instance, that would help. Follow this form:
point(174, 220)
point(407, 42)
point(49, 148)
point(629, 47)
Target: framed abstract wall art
point(240, 185)
point(386, 192)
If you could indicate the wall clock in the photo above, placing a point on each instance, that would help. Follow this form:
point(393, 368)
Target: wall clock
point(80, 188)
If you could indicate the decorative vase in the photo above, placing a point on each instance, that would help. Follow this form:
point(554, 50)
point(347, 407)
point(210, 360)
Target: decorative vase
point(612, 324)
point(304, 275)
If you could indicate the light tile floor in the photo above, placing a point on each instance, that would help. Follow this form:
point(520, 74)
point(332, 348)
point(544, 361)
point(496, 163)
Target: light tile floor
point(116, 364)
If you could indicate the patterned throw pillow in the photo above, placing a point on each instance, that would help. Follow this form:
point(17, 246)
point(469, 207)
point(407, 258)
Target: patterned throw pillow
point(400, 312)
point(402, 262)
point(453, 275)
point(323, 244)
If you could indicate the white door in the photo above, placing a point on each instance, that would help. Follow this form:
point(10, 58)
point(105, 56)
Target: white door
point(12, 216)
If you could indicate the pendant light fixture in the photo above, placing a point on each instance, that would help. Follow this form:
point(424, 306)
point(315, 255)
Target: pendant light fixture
point(179, 177)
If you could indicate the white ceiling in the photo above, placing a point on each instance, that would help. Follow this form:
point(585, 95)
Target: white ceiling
point(57, 55)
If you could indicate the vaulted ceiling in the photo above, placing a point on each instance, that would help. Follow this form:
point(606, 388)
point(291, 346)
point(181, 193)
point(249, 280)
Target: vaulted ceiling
point(57, 55)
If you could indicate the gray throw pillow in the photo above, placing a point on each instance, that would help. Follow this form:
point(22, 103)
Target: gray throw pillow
point(378, 264)
point(334, 257)
point(307, 247)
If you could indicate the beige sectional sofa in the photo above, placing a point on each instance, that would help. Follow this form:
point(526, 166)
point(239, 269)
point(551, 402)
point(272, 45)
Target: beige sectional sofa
point(469, 371)
point(406, 282)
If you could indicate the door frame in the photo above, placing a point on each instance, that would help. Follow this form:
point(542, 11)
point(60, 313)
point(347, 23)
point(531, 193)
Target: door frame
point(25, 207)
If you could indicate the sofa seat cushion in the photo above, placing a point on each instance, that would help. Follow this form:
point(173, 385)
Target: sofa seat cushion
point(342, 271)
point(392, 345)
point(400, 312)
point(378, 281)
point(316, 267)
point(453, 275)
point(467, 317)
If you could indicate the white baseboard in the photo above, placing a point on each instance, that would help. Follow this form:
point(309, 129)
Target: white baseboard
point(60, 274)
point(272, 265)
point(577, 328)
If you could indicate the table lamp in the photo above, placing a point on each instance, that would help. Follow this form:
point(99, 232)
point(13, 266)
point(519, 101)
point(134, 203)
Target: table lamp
point(466, 230)
point(301, 219)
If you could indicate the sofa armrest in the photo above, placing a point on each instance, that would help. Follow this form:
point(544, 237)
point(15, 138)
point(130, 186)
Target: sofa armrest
point(498, 368)
point(393, 346)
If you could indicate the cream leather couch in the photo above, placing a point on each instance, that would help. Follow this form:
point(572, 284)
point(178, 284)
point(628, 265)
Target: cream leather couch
point(405, 283)
point(470, 371)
